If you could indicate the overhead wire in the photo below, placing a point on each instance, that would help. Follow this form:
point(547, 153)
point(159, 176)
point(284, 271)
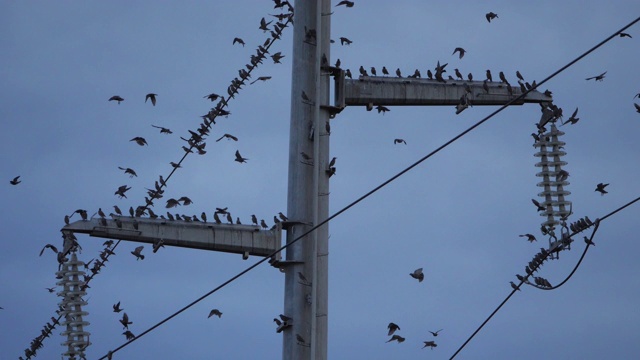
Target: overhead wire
point(208, 123)
point(382, 185)
point(597, 224)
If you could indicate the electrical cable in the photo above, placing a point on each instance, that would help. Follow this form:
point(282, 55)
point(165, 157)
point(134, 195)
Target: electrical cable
point(374, 190)
point(597, 224)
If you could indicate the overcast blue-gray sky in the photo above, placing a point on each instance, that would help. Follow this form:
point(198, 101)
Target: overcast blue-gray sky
point(458, 215)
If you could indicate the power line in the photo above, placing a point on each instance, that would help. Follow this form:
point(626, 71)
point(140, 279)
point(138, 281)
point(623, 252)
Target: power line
point(385, 183)
point(597, 224)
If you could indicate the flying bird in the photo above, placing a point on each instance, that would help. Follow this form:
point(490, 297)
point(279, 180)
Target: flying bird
point(536, 203)
point(152, 97)
point(346, 3)
point(215, 312)
point(490, 16)
point(382, 109)
point(435, 333)
point(212, 96)
point(399, 141)
point(637, 107)
point(261, 78)
point(121, 191)
point(116, 98)
point(264, 24)
point(239, 157)
point(344, 40)
point(600, 188)
point(238, 40)
point(51, 290)
point(430, 344)
point(139, 140)
point(53, 248)
point(228, 136)
point(397, 338)
point(460, 52)
point(116, 307)
point(137, 253)
point(15, 181)
point(625, 35)
point(185, 201)
point(129, 171)
point(125, 321)
point(277, 57)
point(597, 77)
point(573, 119)
point(529, 237)
point(417, 274)
point(163, 130)
point(392, 328)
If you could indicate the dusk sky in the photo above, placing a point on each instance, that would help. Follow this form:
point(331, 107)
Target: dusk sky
point(457, 215)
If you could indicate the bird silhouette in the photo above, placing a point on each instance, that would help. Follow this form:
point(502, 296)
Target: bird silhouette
point(261, 78)
point(277, 57)
point(52, 247)
point(125, 321)
point(417, 274)
point(215, 312)
point(460, 52)
point(430, 344)
point(15, 181)
point(129, 335)
point(263, 224)
point(345, 41)
point(597, 77)
point(536, 203)
point(385, 71)
point(637, 107)
point(137, 253)
point(238, 40)
point(139, 140)
point(163, 130)
point(600, 188)
point(397, 338)
point(116, 307)
point(435, 333)
point(264, 25)
point(346, 3)
point(239, 157)
point(514, 286)
point(51, 290)
point(228, 136)
point(399, 141)
point(392, 328)
point(185, 201)
point(490, 16)
point(573, 119)
point(212, 96)
point(489, 76)
point(129, 171)
point(116, 98)
point(382, 109)
point(151, 97)
point(529, 237)
point(347, 73)
point(625, 35)
point(122, 190)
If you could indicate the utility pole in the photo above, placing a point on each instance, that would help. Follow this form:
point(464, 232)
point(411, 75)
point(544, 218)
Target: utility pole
point(306, 263)
point(306, 296)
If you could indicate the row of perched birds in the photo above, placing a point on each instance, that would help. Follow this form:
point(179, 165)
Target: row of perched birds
point(196, 143)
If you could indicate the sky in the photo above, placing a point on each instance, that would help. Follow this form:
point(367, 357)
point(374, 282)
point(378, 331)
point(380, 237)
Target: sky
point(457, 215)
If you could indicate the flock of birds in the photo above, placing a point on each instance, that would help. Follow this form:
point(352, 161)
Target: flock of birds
point(196, 142)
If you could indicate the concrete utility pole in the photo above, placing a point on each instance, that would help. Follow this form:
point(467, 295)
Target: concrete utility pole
point(306, 296)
